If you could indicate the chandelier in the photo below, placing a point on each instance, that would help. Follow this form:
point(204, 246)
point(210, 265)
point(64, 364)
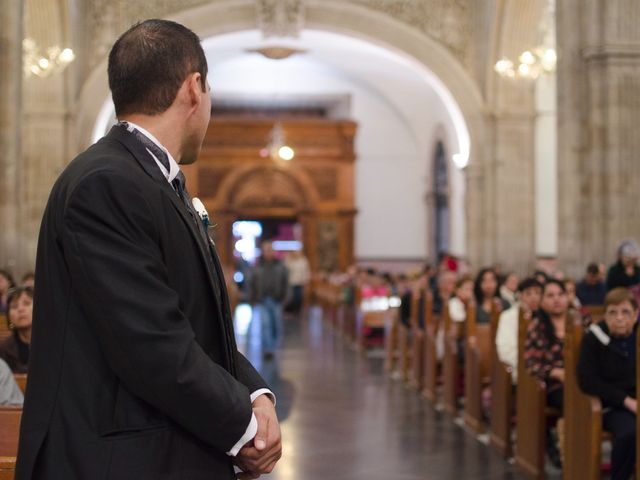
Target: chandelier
point(276, 148)
point(535, 61)
point(53, 60)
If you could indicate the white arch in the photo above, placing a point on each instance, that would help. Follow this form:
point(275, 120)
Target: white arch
point(439, 68)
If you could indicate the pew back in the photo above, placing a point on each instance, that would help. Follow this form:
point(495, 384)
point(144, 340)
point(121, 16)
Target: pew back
point(9, 430)
point(7, 468)
point(429, 356)
point(21, 380)
point(531, 419)
point(477, 368)
point(4, 327)
point(582, 413)
point(450, 370)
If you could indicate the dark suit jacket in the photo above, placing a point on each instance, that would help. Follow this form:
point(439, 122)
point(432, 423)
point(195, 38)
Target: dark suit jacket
point(134, 372)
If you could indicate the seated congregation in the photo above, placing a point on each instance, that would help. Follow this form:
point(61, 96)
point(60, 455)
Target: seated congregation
point(542, 369)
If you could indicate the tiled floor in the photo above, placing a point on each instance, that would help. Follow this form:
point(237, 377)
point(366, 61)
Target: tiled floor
point(341, 418)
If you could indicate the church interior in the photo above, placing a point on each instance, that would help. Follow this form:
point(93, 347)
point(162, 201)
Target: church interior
point(418, 166)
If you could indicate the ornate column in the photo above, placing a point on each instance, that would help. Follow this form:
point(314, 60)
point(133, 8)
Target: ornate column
point(11, 33)
point(598, 115)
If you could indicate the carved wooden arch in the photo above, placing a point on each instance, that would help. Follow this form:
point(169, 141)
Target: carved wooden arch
point(268, 187)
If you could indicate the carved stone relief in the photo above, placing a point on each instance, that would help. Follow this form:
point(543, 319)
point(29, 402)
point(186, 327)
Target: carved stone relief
point(280, 18)
point(446, 21)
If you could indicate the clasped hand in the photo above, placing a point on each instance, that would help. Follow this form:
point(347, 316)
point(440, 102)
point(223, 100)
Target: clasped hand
point(262, 453)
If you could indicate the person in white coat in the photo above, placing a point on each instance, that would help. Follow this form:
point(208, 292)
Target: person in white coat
point(530, 293)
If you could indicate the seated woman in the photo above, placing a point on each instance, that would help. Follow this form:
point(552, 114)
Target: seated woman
point(10, 393)
point(462, 298)
point(487, 295)
point(543, 350)
point(607, 369)
point(15, 349)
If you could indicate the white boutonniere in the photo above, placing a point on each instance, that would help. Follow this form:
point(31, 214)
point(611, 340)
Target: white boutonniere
point(200, 209)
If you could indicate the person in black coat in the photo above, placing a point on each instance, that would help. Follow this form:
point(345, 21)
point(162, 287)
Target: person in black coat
point(625, 272)
point(134, 372)
point(607, 369)
point(591, 290)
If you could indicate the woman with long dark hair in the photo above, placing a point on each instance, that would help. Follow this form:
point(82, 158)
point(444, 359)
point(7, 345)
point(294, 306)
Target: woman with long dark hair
point(485, 290)
point(15, 349)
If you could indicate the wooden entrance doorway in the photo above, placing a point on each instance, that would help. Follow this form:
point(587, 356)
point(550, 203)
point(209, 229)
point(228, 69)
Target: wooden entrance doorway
point(236, 180)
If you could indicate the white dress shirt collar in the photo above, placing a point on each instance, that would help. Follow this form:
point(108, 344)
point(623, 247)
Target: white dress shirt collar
point(174, 168)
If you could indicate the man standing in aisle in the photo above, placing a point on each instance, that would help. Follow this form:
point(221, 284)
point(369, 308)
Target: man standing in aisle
point(268, 289)
point(134, 371)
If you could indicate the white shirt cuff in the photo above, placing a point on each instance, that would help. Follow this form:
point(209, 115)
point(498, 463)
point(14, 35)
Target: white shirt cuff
point(252, 429)
point(263, 391)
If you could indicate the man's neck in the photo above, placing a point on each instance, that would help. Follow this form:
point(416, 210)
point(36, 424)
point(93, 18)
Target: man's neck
point(164, 130)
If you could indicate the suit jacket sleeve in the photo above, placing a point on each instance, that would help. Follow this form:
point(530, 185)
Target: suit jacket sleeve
point(248, 375)
point(115, 259)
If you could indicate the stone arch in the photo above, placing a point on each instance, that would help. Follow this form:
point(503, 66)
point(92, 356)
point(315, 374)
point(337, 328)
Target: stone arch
point(510, 24)
point(329, 15)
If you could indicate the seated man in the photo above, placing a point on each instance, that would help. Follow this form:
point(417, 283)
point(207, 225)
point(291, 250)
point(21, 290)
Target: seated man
point(530, 291)
point(591, 289)
point(607, 369)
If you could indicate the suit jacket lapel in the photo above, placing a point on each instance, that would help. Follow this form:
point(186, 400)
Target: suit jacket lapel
point(147, 163)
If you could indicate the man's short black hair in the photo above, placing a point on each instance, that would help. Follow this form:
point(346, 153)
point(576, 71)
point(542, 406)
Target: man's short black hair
point(555, 281)
point(593, 268)
point(149, 63)
point(529, 282)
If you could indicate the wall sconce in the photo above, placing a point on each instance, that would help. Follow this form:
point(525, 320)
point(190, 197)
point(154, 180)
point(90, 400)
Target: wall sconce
point(42, 65)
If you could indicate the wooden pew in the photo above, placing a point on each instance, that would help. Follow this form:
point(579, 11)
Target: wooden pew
point(501, 403)
point(450, 370)
point(594, 313)
point(582, 413)
point(349, 303)
point(405, 333)
point(415, 373)
point(7, 468)
point(531, 403)
point(21, 380)
point(429, 355)
point(4, 327)
point(9, 433)
point(477, 368)
point(9, 430)
point(391, 329)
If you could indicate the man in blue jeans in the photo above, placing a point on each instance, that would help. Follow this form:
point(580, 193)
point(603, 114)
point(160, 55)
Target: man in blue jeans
point(268, 289)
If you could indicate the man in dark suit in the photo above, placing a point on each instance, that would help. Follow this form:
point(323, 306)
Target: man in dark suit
point(134, 371)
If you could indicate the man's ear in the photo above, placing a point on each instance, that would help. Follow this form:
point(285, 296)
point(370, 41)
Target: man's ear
point(194, 89)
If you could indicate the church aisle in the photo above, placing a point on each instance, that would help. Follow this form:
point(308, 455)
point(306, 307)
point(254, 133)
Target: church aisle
point(342, 419)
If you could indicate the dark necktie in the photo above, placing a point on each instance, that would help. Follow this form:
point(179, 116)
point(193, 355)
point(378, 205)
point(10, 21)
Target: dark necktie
point(179, 183)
